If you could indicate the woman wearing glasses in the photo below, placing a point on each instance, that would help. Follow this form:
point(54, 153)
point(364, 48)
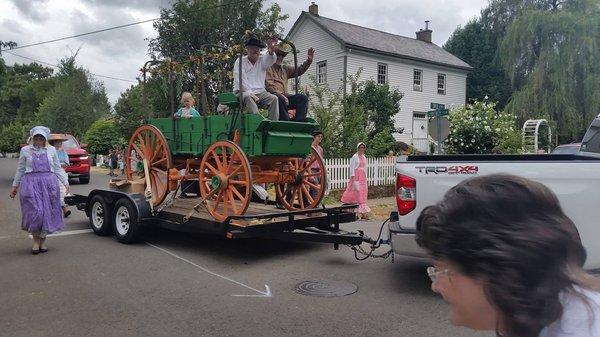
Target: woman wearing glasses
point(507, 259)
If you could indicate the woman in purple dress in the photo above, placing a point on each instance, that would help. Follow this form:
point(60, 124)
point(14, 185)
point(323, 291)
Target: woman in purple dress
point(38, 174)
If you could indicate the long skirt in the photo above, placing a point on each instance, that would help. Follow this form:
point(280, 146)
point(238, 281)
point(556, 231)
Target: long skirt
point(40, 203)
point(357, 196)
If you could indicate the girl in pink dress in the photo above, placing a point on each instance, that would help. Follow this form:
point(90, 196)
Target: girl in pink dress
point(357, 190)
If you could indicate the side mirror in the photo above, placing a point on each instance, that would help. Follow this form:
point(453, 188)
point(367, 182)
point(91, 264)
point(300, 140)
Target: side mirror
point(83, 145)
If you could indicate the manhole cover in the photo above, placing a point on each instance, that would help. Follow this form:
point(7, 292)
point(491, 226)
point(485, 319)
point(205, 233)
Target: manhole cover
point(325, 288)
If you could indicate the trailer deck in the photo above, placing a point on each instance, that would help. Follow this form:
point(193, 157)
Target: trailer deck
point(188, 215)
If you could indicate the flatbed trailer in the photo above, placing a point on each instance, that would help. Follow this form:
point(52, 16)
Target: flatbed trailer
point(127, 214)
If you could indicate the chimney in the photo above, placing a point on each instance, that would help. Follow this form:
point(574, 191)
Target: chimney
point(313, 9)
point(424, 34)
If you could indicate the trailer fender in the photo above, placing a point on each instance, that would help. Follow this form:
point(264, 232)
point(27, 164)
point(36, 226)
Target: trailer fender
point(111, 197)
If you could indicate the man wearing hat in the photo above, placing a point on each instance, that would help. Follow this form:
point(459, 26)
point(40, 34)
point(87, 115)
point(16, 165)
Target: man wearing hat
point(277, 78)
point(254, 68)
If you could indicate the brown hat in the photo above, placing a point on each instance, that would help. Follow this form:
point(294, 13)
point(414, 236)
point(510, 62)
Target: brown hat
point(57, 136)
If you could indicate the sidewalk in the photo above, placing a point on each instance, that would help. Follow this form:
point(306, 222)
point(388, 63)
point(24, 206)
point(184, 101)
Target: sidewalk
point(380, 207)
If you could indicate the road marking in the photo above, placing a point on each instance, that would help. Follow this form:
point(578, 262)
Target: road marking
point(266, 293)
point(66, 233)
point(73, 232)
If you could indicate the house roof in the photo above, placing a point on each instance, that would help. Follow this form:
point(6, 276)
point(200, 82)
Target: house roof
point(372, 40)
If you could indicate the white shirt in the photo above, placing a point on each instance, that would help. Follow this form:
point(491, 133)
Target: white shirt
point(253, 75)
point(577, 320)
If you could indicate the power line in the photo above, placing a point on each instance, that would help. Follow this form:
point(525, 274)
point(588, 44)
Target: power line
point(57, 66)
point(112, 28)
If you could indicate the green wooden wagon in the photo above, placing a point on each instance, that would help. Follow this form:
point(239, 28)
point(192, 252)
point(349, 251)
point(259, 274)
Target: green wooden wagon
point(228, 154)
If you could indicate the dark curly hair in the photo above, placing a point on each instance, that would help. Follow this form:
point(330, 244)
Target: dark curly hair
point(511, 232)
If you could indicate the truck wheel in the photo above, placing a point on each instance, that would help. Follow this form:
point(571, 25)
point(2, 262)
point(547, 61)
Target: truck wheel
point(127, 227)
point(84, 180)
point(100, 217)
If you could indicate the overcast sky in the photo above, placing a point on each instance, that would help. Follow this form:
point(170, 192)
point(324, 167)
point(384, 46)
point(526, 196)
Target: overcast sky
point(121, 53)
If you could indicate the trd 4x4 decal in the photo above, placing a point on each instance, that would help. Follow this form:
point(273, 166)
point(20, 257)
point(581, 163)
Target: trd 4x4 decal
point(463, 169)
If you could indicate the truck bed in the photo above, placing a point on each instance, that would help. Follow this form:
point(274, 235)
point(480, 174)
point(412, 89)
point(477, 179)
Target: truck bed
point(499, 158)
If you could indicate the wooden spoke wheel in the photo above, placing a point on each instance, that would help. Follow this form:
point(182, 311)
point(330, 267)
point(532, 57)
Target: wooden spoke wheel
point(148, 144)
point(225, 180)
point(308, 186)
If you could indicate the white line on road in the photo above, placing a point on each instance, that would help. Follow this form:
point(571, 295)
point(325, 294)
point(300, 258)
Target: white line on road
point(65, 233)
point(266, 293)
point(73, 232)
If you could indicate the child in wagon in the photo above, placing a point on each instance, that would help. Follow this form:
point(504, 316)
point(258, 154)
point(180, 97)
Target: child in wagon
point(187, 111)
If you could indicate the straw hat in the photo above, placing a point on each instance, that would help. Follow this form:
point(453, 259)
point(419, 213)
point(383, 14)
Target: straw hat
point(283, 49)
point(57, 136)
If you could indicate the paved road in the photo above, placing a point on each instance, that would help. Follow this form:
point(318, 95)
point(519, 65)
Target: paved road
point(175, 284)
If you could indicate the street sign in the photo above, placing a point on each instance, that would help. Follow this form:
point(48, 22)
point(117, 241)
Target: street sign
point(437, 112)
point(439, 130)
point(437, 106)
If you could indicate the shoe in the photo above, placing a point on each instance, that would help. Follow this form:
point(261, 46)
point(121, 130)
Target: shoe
point(35, 251)
point(67, 213)
point(43, 250)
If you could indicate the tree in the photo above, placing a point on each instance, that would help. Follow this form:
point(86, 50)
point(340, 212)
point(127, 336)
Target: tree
point(477, 45)
point(354, 118)
point(102, 136)
point(11, 136)
point(22, 87)
point(381, 104)
point(187, 27)
point(325, 106)
point(131, 110)
point(75, 103)
point(551, 55)
point(478, 128)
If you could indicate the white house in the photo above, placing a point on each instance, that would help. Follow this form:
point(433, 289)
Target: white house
point(424, 72)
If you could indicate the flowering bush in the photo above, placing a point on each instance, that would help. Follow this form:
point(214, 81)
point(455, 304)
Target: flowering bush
point(478, 128)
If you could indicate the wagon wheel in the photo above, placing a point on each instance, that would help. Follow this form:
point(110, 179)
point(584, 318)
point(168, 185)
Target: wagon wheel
point(308, 187)
point(147, 142)
point(225, 180)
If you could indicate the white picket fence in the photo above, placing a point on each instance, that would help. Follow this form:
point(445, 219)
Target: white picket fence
point(380, 171)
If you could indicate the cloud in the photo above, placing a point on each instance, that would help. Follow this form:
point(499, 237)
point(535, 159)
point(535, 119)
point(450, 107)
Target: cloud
point(392, 16)
point(32, 9)
point(133, 4)
point(114, 42)
point(121, 53)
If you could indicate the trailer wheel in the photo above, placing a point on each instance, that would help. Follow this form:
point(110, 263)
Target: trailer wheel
point(100, 217)
point(126, 223)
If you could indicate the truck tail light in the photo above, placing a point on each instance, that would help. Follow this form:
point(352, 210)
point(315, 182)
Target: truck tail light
point(406, 194)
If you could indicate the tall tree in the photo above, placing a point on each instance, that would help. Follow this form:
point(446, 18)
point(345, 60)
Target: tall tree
point(132, 108)
point(22, 87)
point(75, 103)
point(185, 28)
point(477, 45)
point(550, 55)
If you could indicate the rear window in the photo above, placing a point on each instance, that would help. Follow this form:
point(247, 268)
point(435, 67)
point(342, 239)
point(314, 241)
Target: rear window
point(571, 149)
point(70, 143)
point(591, 140)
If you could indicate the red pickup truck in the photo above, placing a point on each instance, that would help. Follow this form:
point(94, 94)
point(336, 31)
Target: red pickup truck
point(79, 159)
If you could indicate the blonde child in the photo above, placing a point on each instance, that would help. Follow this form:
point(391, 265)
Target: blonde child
point(187, 111)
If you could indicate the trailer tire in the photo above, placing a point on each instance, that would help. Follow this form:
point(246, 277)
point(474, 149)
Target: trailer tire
point(100, 216)
point(126, 222)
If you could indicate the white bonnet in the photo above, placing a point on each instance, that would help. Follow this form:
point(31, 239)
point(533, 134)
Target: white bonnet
point(40, 130)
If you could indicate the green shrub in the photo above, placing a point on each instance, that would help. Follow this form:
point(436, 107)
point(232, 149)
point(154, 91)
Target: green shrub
point(102, 136)
point(478, 128)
